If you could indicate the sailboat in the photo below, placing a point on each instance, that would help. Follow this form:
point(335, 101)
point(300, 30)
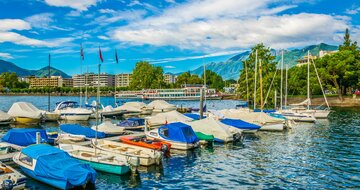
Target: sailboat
point(48, 115)
point(300, 107)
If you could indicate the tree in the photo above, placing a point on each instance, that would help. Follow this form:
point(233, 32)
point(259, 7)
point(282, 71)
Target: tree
point(347, 44)
point(213, 80)
point(187, 78)
point(146, 76)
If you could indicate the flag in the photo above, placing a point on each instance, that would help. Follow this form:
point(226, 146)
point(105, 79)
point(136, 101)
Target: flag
point(100, 55)
point(81, 52)
point(116, 57)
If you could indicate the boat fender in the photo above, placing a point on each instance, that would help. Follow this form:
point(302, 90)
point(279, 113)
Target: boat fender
point(164, 148)
point(7, 184)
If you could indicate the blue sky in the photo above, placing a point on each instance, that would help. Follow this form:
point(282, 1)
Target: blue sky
point(177, 35)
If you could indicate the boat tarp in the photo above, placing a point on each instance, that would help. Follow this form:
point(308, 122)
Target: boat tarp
point(212, 126)
point(24, 137)
point(25, 109)
point(251, 117)
point(160, 105)
point(240, 124)
point(168, 117)
point(4, 116)
point(132, 106)
point(57, 164)
point(179, 132)
point(77, 129)
point(193, 116)
point(202, 136)
point(265, 111)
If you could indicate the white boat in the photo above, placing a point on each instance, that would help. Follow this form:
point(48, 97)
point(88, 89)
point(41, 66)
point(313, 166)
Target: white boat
point(179, 135)
point(109, 128)
point(167, 117)
point(211, 126)
point(147, 156)
point(160, 106)
point(25, 112)
point(4, 148)
point(5, 118)
point(297, 117)
point(51, 116)
point(101, 160)
point(69, 138)
point(10, 178)
point(266, 122)
point(316, 113)
point(68, 110)
point(134, 107)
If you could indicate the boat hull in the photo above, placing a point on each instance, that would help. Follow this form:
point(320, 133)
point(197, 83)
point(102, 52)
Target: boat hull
point(119, 170)
point(75, 117)
point(27, 120)
point(272, 127)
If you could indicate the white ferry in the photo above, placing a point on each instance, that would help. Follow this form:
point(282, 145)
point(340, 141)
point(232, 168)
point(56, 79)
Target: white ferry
point(189, 92)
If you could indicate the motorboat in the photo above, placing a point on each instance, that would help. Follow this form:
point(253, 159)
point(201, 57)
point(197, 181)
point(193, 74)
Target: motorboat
point(76, 129)
point(25, 137)
point(297, 117)
point(51, 116)
point(167, 117)
point(132, 123)
point(11, 178)
point(160, 106)
point(5, 118)
point(101, 160)
point(246, 127)
point(107, 111)
point(54, 167)
point(134, 107)
point(147, 156)
point(147, 143)
point(179, 135)
point(109, 128)
point(25, 113)
point(69, 110)
point(69, 138)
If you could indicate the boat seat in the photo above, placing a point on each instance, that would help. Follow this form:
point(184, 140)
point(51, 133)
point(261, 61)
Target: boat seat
point(107, 158)
point(84, 154)
point(118, 147)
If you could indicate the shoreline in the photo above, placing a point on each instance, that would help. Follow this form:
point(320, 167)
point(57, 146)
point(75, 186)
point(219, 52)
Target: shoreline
point(333, 100)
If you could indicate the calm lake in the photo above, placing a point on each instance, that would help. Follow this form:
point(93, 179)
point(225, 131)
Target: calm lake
point(324, 155)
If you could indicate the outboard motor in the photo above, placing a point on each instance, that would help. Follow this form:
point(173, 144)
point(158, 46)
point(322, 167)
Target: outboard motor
point(165, 149)
point(7, 184)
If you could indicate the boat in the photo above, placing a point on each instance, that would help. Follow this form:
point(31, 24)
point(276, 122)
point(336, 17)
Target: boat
point(167, 117)
point(76, 129)
point(25, 137)
point(134, 108)
point(146, 156)
point(188, 92)
point(5, 118)
point(297, 117)
point(147, 143)
point(69, 138)
point(246, 127)
point(54, 167)
point(69, 110)
point(132, 123)
point(107, 111)
point(4, 148)
point(179, 135)
point(159, 106)
point(109, 128)
point(204, 138)
point(100, 160)
point(51, 116)
point(211, 126)
point(25, 113)
point(11, 178)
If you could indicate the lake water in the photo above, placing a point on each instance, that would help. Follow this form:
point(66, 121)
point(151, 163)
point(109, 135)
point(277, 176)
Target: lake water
point(324, 155)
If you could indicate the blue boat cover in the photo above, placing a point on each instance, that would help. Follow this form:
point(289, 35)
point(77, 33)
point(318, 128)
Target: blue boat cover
point(179, 132)
point(240, 124)
point(132, 122)
point(265, 111)
point(54, 163)
point(279, 116)
point(77, 129)
point(24, 137)
point(193, 116)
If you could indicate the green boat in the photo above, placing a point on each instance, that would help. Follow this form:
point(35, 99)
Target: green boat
point(203, 137)
point(99, 160)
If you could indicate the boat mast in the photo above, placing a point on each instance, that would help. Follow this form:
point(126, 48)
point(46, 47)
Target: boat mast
point(286, 84)
point(261, 90)
point(86, 84)
point(49, 85)
point(317, 74)
point(247, 84)
point(256, 57)
point(281, 80)
point(275, 99)
point(204, 82)
point(81, 75)
point(308, 80)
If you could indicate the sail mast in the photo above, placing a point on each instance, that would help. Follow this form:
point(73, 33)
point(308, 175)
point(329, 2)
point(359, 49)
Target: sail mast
point(49, 84)
point(247, 84)
point(281, 80)
point(256, 57)
point(286, 84)
point(308, 81)
point(261, 88)
point(81, 81)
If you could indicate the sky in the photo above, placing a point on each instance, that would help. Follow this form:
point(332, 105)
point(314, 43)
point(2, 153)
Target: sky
point(177, 35)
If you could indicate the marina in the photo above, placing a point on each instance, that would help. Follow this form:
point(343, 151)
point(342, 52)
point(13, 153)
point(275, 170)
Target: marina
point(255, 162)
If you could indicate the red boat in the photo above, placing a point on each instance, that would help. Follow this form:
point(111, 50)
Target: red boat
point(147, 143)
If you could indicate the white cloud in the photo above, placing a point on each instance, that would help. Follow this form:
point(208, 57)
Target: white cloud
point(6, 55)
point(80, 5)
point(353, 11)
point(169, 67)
point(103, 37)
point(113, 16)
point(44, 21)
point(170, 1)
point(220, 25)
point(13, 24)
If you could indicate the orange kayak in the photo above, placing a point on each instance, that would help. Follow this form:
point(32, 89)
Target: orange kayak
point(147, 143)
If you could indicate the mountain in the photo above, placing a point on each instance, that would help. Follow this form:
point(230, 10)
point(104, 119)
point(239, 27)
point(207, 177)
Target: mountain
point(6, 66)
point(231, 68)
